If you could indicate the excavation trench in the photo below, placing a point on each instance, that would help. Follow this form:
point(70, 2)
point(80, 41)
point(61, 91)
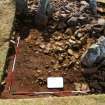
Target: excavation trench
point(50, 52)
point(33, 67)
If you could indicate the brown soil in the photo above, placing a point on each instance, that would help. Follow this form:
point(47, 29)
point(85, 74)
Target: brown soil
point(33, 67)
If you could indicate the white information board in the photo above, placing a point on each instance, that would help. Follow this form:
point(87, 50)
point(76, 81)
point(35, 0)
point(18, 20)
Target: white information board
point(55, 82)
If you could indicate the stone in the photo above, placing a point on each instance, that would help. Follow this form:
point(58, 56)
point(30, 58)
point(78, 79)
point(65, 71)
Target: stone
point(84, 3)
point(60, 59)
point(59, 43)
point(76, 55)
point(77, 86)
point(76, 46)
point(72, 21)
point(101, 21)
point(42, 46)
point(61, 26)
point(43, 12)
point(69, 5)
point(3, 83)
point(56, 34)
point(83, 40)
point(94, 55)
point(64, 16)
point(72, 38)
point(81, 86)
point(72, 41)
point(83, 19)
point(69, 31)
point(58, 38)
point(84, 87)
point(39, 71)
point(70, 51)
point(56, 16)
point(83, 8)
point(78, 35)
point(96, 30)
point(57, 48)
point(93, 6)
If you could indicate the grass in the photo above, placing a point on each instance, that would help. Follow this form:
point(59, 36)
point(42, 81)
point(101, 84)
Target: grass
point(73, 100)
point(7, 13)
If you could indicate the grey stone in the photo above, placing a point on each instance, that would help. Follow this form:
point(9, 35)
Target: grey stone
point(97, 29)
point(93, 6)
point(44, 10)
point(78, 35)
point(84, 3)
point(95, 54)
point(63, 16)
point(72, 21)
point(83, 19)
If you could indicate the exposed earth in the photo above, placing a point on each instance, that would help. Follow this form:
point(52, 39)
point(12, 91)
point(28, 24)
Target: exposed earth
point(56, 50)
